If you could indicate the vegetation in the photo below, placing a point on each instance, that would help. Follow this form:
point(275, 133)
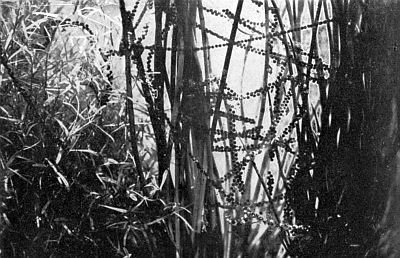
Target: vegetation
point(118, 139)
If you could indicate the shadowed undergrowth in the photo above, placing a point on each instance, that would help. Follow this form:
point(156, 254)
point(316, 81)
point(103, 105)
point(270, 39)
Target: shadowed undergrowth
point(120, 141)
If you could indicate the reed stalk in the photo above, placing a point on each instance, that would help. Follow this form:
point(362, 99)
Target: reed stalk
point(126, 29)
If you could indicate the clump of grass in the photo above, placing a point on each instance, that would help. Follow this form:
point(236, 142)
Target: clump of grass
point(71, 188)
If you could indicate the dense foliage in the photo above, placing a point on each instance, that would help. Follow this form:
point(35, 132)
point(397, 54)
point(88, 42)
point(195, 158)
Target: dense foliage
point(117, 139)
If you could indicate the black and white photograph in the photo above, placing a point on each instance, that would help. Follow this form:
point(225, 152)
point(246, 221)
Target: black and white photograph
point(199, 128)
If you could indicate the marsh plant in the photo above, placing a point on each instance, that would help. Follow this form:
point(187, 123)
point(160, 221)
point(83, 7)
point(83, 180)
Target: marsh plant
point(144, 129)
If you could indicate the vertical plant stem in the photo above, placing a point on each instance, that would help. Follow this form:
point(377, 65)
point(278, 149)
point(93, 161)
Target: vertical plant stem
point(177, 201)
point(261, 112)
point(206, 50)
point(270, 200)
point(323, 83)
point(246, 195)
point(266, 66)
point(226, 67)
point(222, 86)
point(289, 64)
point(207, 74)
point(306, 138)
point(290, 13)
point(126, 24)
point(159, 63)
point(228, 212)
point(311, 8)
point(179, 163)
point(173, 65)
